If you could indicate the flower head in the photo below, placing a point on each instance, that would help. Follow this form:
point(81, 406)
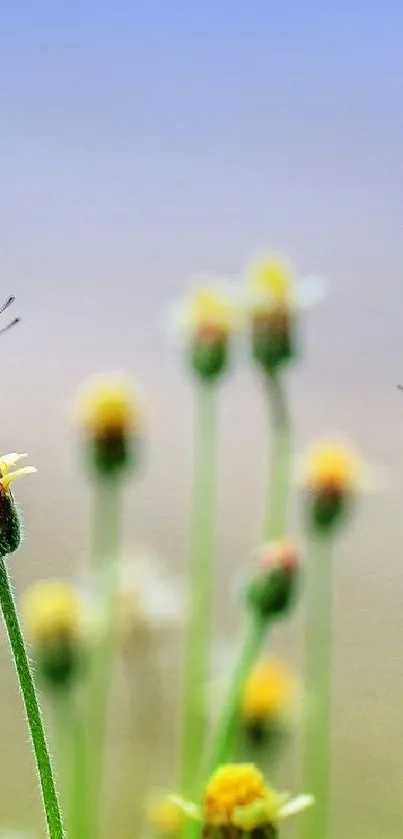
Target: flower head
point(10, 526)
point(111, 418)
point(273, 298)
point(237, 796)
point(164, 815)
point(51, 609)
point(268, 692)
point(207, 319)
point(53, 616)
point(271, 282)
point(332, 474)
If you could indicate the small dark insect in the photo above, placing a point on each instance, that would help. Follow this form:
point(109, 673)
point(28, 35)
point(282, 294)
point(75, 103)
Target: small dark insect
point(400, 387)
point(3, 308)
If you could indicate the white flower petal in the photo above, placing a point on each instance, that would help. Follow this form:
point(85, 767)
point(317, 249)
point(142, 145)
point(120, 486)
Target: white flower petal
point(186, 807)
point(296, 805)
point(310, 291)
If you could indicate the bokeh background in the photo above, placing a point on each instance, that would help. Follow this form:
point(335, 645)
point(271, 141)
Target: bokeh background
point(142, 143)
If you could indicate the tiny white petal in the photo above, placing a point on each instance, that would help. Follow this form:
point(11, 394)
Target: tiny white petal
point(296, 805)
point(12, 458)
point(310, 291)
point(186, 807)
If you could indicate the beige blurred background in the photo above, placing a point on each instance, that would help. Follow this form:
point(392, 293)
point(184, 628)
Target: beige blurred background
point(143, 145)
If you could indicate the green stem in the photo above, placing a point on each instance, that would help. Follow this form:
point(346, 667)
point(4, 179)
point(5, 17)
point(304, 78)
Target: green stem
point(61, 708)
point(32, 709)
point(198, 639)
point(105, 555)
point(316, 754)
point(79, 792)
point(277, 506)
point(226, 733)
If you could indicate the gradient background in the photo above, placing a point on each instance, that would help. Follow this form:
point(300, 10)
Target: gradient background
point(144, 142)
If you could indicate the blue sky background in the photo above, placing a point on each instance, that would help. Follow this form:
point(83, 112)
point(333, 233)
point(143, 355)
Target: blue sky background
point(142, 142)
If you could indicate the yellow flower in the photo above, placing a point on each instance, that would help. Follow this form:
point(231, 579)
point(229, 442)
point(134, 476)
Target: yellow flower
point(268, 692)
point(232, 786)
point(164, 815)
point(7, 461)
point(238, 796)
point(52, 611)
point(107, 406)
point(271, 281)
point(330, 465)
point(208, 312)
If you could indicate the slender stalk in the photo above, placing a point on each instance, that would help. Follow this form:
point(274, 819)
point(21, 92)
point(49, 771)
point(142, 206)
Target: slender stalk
point(61, 710)
point(277, 506)
point(316, 754)
point(226, 734)
point(31, 704)
point(105, 555)
point(198, 639)
point(79, 792)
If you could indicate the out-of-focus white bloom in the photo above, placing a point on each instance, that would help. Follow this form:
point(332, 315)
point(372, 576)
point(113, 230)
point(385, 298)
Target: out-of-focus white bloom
point(149, 599)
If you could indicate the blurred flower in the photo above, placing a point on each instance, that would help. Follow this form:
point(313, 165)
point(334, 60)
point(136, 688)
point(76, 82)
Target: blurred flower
point(207, 319)
point(268, 695)
point(271, 591)
point(111, 417)
point(332, 474)
point(268, 692)
point(273, 298)
point(149, 603)
point(237, 796)
point(53, 616)
point(10, 527)
point(164, 815)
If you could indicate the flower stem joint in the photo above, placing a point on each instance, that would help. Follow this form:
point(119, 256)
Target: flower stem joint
point(238, 803)
point(271, 592)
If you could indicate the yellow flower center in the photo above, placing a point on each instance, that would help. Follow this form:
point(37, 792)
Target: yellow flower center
point(107, 406)
point(232, 786)
point(267, 692)
point(332, 466)
point(51, 610)
point(271, 277)
point(211, 310)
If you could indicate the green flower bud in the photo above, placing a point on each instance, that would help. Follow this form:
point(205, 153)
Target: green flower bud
point(10, 523)
point(271, 592)
point(273, 339)
point(209, 356)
